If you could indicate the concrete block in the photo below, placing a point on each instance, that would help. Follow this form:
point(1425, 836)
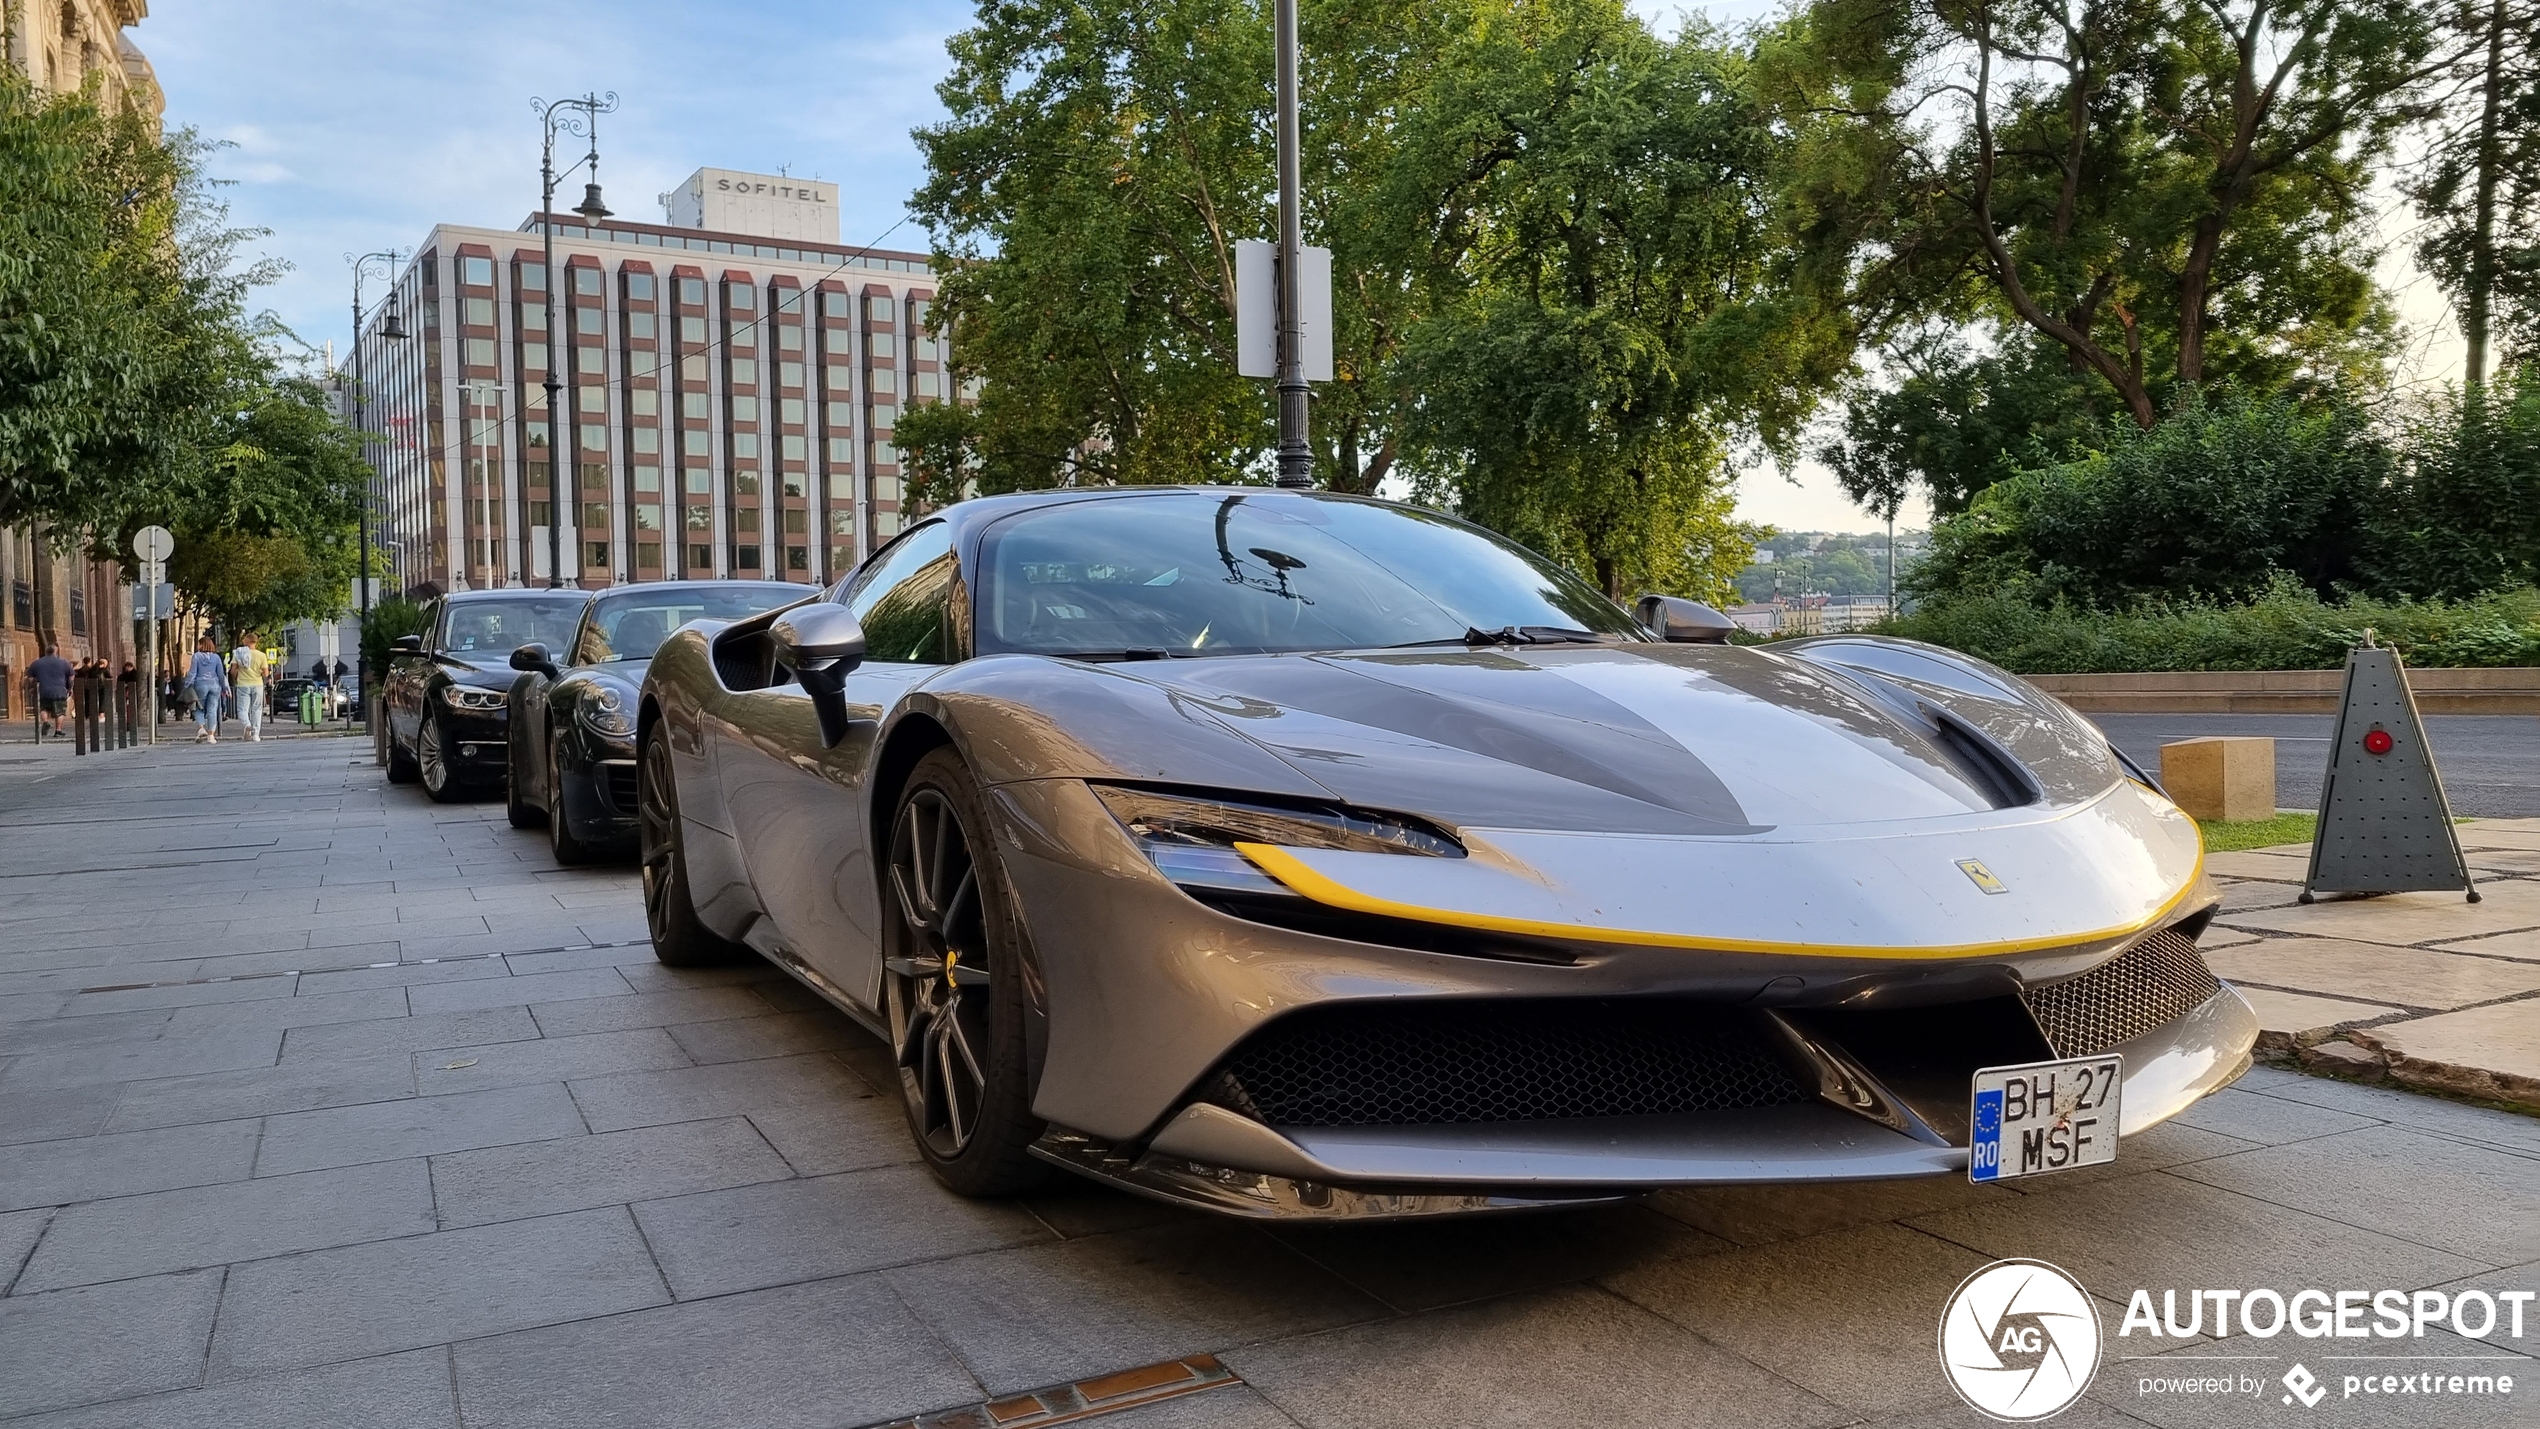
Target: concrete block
point(2230, 779)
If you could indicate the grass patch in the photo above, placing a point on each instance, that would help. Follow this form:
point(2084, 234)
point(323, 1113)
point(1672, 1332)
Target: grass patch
point(2221, 837)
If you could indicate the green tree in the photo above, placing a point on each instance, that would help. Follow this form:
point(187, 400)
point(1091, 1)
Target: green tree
point(266, 528)
point(2479, 187)
point(121, 312)
point(2169, 194)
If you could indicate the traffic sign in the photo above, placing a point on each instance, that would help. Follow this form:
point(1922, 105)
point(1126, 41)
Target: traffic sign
point(153, 543)
point(154, 572)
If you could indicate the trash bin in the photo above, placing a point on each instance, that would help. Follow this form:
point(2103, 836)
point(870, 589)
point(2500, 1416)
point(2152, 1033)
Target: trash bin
point(309, 705)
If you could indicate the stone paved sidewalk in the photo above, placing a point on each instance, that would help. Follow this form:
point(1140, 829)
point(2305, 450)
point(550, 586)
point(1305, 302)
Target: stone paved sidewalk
point(325, 1107)
point(2427, 989)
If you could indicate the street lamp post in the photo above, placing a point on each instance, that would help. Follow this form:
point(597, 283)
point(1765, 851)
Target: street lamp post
point(384, 264)
point(579, 117)
point(1296, 455)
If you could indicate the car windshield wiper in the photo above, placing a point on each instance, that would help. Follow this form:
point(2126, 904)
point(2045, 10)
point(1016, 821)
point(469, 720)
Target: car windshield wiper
point(1512, 635)
point(1136, 652)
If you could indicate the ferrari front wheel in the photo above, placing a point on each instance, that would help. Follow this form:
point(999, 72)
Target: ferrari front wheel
point(954, 987)
point(680, 938)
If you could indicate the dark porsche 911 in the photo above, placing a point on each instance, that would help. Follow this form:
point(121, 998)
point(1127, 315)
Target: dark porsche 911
point(446, 687)
point(572, 716)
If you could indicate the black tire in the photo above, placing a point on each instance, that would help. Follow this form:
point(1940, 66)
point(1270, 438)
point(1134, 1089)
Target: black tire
point(680, 938)
point(441, 783)
point(517, 810)
point(401, 765)
point(567, 846)
point(963, 1068)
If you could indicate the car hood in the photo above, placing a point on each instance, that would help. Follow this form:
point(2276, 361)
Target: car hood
point(490, 672)
point(1628, 739)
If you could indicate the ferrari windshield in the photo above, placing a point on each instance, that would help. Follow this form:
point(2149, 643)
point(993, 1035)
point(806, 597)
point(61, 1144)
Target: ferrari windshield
point(480, 628)
point(1200, 573)
point(631, 625)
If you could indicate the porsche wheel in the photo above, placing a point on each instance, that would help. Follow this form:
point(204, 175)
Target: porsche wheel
point(567, 847)
point(516, 807)
point(432, 761)
point(679, 937)
point(954, 988)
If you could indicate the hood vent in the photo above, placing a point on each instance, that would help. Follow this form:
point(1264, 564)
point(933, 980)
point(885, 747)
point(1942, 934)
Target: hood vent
point(1986, 764)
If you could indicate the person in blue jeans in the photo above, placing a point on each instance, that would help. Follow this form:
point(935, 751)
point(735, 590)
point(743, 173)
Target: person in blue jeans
point(208, 676)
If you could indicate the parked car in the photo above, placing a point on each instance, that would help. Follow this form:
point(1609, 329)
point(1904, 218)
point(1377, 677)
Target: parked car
point(572, 717)
point(1297, 855)
point(447, 688)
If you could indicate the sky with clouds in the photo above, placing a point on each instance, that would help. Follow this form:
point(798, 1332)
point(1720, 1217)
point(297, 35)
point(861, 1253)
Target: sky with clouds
point(355, 125)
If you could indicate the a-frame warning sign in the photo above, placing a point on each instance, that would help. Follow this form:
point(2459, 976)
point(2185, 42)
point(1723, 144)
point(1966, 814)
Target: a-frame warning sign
point(2384, 824)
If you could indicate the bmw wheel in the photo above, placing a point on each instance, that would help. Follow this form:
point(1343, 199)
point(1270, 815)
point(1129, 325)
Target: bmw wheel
point(432, 758)
point(680, 938)
point(955, 988)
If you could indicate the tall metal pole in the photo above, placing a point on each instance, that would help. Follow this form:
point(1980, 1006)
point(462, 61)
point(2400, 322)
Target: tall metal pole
point(1296, 453)
point(387, 259)
point(553, 117)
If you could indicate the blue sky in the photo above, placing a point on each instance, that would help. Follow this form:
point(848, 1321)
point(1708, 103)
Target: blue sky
point(355, 125)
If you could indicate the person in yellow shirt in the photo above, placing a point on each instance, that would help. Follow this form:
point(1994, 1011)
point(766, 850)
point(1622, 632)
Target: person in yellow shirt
point(247, 666)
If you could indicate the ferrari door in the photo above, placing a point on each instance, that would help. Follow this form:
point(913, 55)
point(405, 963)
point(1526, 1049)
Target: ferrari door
point(797, 808)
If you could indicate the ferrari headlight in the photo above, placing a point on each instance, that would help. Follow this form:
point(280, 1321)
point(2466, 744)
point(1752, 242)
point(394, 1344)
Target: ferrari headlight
point(1192, 840)
point(604, 710)
point(468, 697)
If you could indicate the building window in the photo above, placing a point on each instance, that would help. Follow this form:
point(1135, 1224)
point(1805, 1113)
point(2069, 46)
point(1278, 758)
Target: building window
point(79, 611)
point(790, 411)
point(841, 379)
point(928, 385)
point(744, 445)
point(745, 558)
point(693, 443)
point(595, 437)
point(647, 517)
point(592, 399)
point(789, 338)
point(692, 370)
point(595, 556)
point(745, 483)
point(533, 356)
point(587, 281)
point(648, 478)
point(477, 273)
point(794, 519)
point(644, 402)
point(883, 346)
point(882, 415)
point(878, 308)
point(586, 320)
point(533, 277)
point(538, 513)
point(841, 488)
point(881, 379)
point(793, 483)
point(595, 476)
point(741, 299)
point(700, 482)
point(745, 409)
point(793, 447)
point(595, 515)
point(478, 312)
point(744, 372)
point(746, 519)
point(797, 558)
point(885, 454)
point(692, 329)
point(648, 440)
point(639, 326)
point(648, 555)
point(842, 416)
point(639, 286)
point(533, 316)
point(480, 352)
point(692, 291)
point(835, 305)
point(789, 374)
point(693, 404)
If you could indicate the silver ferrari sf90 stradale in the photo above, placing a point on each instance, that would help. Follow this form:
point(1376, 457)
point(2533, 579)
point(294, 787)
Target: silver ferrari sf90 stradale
point(1296, 855)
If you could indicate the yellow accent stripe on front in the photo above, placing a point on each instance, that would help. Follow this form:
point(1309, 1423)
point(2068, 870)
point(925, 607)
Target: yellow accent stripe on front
point(1300, 877)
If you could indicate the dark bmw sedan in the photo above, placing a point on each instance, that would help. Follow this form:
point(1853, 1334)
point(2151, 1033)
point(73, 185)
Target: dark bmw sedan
point(446, 688)
point(572, 721)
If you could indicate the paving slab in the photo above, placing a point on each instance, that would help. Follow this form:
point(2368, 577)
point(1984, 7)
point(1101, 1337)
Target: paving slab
point(2472, 1201)
point(1046, 1314)
point(545, 1059)
point(50, 1113)
point(751, 1237)
point(53, 1173)
point(801, 1357)
point(2269, 1121)
point(416, 1126)
point(1422, 1266)
point(19, 1231)
point(852, 1132)
point(2504, 1038)
point(97, 1342)
point(645, 1009)
point(82, 1031)
point(344, 1079)
point(402, 1391)
point(472, 1028)
point(2288, 1015)
point(1574, 1355)
point(2404, 917)
point(237, 1220)
point(372, 1299)
point(777, 1034)
point(574, 1173)
point(1757, 1215)
point(506, 991)
point(613, 1103)
point(2374, 972)
point(132, 1061)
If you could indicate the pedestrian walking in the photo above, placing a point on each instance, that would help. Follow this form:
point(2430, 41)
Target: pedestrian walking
point(52, 676)
point(247, 666)
point(208, 678)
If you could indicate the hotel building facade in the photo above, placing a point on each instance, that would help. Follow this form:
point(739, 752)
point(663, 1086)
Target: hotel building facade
point(730, 381)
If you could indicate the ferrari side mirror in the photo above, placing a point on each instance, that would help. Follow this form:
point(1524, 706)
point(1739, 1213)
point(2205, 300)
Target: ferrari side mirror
point(534, 659)
point(1680, 621)
point(821, 643)
point(406, 645)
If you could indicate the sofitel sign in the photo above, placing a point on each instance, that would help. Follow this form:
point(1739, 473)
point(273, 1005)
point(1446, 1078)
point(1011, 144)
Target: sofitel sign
point(797, 192)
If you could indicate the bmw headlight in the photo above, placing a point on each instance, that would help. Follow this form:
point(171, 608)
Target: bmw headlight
point(1192, 840)
point(468, 697)
point(605, 710)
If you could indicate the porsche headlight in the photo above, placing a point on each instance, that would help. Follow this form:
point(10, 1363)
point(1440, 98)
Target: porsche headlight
point(1192, 840)
point(605, 711)
point(468, 697)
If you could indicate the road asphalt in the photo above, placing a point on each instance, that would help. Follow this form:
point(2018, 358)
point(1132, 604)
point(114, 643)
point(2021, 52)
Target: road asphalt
point(2490, 763)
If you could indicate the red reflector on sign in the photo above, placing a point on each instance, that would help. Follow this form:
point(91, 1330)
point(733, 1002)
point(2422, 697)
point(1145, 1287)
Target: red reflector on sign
point(2377, 741)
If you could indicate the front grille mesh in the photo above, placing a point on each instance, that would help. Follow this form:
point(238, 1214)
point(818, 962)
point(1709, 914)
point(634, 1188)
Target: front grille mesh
point(1428, 1062)
point(617, 784)
point(2123, 998)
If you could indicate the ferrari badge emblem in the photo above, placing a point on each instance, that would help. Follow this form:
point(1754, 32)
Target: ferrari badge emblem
point(1982, 876)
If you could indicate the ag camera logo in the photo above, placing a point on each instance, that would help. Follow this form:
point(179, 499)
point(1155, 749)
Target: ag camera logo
point(2019, 1340)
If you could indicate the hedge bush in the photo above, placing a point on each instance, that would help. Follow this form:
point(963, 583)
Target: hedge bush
point(2287, 628)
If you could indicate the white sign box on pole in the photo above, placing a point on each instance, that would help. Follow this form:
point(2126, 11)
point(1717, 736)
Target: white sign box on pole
point(1257, 310)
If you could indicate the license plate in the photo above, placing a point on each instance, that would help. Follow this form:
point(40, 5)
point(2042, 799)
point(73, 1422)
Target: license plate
point(2045, 1116)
